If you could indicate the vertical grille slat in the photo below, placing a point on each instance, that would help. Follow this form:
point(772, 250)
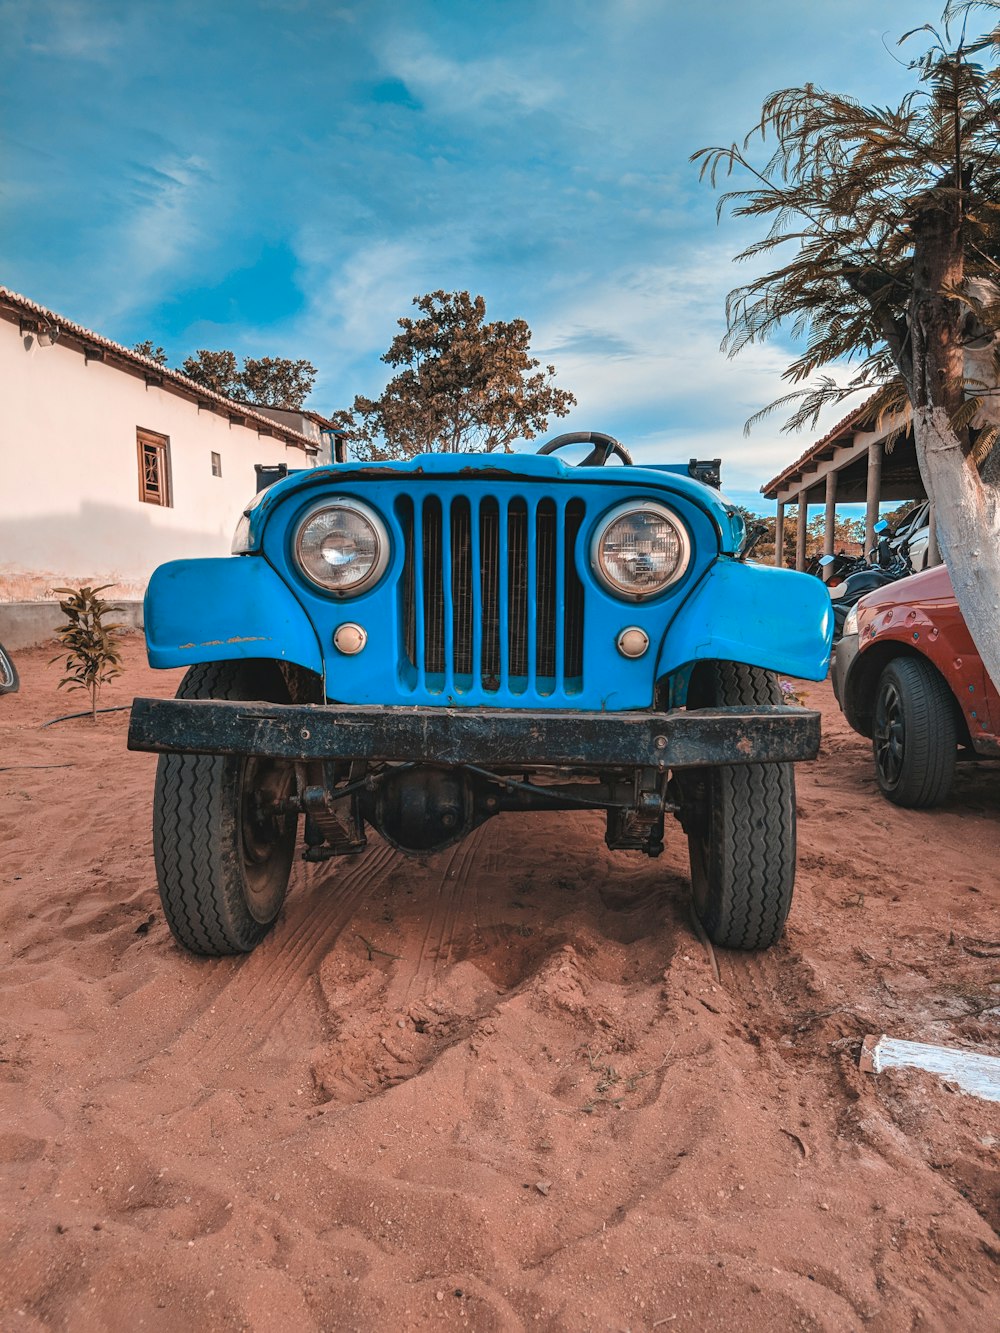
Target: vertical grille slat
point(517, 595)
point(433, 589)
point(503, 600)
point(408, 617)
point(573, 610)
point(490, 599)
point(419, 628)
point(447, 604)
point(547, 665)
point(489, 526)
point(478, 619)
point(531, 581)
point(563, 548)
point(463, 583)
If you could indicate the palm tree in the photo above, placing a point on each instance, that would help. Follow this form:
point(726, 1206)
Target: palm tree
point(890, 222)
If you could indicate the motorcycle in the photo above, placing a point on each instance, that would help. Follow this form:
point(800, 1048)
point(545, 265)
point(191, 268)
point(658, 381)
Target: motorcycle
point(841, 566)
point(9, 682)
point(888, 561)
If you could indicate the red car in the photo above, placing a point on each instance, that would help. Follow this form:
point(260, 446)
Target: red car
point(907, 674)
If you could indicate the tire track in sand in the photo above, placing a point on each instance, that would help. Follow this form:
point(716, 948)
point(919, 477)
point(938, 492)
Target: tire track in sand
point(454, 889)
point(271, 979)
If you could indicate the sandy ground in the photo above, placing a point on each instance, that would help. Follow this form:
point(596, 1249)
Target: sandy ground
point(534, 1109)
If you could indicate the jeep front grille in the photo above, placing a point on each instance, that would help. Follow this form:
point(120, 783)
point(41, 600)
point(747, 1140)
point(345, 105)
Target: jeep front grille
point(490, 599)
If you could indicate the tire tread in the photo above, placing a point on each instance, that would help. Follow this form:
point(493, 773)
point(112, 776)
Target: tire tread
point(201, 901)
point(930, 739)
point(751, 856)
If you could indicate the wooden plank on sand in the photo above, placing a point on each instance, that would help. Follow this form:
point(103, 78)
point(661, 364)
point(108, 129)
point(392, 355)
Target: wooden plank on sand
point(974, 1073)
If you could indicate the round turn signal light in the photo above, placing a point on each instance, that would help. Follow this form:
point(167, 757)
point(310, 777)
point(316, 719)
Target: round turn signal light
point(349, 638)
point(633, 642)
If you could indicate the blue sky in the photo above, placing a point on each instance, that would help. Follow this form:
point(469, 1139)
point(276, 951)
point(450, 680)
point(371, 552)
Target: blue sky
point(283, 176)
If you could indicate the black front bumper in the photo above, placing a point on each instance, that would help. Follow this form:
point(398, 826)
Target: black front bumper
point(487, 737)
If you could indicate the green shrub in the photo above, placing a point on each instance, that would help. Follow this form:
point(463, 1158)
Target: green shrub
point(92, 648)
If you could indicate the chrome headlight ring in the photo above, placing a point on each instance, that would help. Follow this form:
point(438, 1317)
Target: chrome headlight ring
point(341, 545)
point(613, 556)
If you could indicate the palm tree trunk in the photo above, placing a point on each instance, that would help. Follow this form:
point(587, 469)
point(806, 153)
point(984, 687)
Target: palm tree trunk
point(967, 513)
point(966, 508)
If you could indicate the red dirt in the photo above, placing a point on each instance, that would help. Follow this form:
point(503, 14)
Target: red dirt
point(543, 1113)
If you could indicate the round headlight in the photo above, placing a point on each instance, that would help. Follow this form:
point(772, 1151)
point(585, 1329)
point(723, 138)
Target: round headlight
point(639, 549)
point(342, 546)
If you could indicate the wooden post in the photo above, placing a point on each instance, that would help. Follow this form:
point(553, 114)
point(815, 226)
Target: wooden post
point(874, 492)
point(800, 535)
point(779, 535)
point(830, 530)
point(933, 554)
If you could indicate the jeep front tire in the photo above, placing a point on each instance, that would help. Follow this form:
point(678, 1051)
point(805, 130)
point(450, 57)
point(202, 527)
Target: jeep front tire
point(222, 859)
point(740, 822)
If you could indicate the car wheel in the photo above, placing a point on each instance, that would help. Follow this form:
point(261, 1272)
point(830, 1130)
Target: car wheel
point(914, 734)
point(222, 858)
point(740, 822)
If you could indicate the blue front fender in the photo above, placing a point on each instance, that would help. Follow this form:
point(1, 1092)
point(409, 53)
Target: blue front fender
point(766, 617)
point(218, 609)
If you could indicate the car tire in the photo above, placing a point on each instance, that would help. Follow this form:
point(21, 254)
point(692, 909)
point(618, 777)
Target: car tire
point(740, 823)
point(222, 867)
point(914, 734)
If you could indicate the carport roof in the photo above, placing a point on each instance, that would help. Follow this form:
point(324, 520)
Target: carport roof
point(823, 448)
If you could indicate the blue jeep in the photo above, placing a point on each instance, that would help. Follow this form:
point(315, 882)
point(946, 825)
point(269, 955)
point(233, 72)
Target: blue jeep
point(417, 646)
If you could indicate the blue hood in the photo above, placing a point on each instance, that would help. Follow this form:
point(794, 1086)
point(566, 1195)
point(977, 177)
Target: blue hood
point(725, 516)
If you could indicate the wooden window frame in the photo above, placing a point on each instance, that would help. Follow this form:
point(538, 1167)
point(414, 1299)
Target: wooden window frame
point(216, 463)
point(151, 440)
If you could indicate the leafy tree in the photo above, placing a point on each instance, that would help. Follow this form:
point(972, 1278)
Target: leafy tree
point(892, 216)
point(892, 516)
point(846, 532)
point(275, 381)
point(462, 385)
point(214, 370)
point(156, 354)
point(270, 381)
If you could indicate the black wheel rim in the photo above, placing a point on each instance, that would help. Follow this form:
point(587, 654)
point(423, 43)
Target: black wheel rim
point(888, 734)
point(267, 836)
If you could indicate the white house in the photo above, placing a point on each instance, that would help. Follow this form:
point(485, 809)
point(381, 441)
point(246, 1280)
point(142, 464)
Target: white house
point(111, 464)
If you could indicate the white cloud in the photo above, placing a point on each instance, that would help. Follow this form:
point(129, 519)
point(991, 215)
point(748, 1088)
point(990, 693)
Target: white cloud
point(70, 30)
point(643, 344)
point(352, 302)
point(355, 296)
point(161, 228)
point(454, 87)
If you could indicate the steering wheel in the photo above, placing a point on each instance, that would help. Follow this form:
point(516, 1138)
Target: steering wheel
point(604, 447)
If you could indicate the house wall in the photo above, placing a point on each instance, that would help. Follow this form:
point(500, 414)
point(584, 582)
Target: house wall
point(70, 511)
